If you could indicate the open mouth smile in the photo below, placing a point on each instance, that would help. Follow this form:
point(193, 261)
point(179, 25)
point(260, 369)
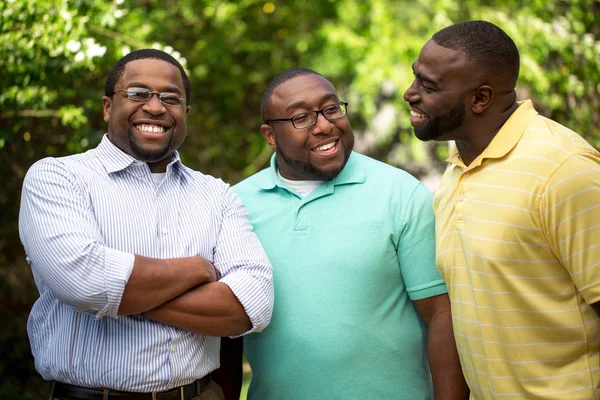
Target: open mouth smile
point(417, 115)
point(327, 148)
point(417, 118)
point(150, 128)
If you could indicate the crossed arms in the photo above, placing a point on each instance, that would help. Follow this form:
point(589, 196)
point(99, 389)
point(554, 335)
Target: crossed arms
point(66, 248)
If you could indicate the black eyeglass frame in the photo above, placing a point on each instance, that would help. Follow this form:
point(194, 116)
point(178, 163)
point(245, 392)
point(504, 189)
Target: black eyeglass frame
point(182, 101)
point(317, 112)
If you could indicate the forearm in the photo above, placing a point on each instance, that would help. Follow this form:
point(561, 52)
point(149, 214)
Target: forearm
point(154, 282)
point(211, 309)
point(448, 380)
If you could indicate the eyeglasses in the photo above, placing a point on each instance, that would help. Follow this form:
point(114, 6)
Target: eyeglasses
point(144, 95)
point(309, 118)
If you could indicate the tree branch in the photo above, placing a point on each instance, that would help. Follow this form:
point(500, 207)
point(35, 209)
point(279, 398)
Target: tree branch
point(31, 113)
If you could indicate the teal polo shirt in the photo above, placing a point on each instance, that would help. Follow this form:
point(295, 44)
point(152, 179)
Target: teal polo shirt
point(348, 259)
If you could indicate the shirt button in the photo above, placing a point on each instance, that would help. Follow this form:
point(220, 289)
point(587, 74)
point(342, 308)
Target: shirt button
point(467, 173)
point(165, 231)
point(460, 198)
point(173, 348)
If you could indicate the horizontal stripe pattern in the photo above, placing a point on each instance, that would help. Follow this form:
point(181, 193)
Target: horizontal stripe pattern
point(82, 219)
point(518, 244)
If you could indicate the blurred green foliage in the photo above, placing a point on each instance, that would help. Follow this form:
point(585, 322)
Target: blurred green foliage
point(55, 54)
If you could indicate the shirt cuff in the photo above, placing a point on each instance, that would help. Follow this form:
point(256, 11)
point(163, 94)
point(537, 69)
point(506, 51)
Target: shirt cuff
point(432, 289)
point(253, 294)
point(118, 266)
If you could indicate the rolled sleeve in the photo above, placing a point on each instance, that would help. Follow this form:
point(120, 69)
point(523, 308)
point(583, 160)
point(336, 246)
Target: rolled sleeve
point(118, 267)
point(243, 264)
point(64, 244)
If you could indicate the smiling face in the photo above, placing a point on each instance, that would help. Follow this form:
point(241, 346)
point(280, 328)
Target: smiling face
point(318, 152)
point(148, 131)
point(438, 96)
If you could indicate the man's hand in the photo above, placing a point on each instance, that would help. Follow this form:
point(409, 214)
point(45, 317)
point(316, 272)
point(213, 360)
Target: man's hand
point(154, 282)
point(211, 309)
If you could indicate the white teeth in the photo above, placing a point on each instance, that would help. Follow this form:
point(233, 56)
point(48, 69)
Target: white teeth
point(150, 128)
point(325, 146)
point(415, 114)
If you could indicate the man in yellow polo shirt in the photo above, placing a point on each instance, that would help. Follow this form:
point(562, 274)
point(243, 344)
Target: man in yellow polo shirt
point(518, 222)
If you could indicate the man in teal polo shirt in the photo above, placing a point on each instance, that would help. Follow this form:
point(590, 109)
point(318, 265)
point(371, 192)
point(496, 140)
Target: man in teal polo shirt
point(352, 245)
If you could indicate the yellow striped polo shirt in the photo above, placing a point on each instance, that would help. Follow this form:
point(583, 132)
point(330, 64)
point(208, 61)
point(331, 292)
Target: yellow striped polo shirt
point(518, 244)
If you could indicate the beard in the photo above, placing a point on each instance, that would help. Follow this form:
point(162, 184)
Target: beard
point(444, 123)
point(149, 155)
point(310, 171)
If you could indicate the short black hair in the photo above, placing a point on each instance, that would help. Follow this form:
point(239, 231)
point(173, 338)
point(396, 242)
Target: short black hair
point(278, 80)
point(117, 70)
point(483, 43)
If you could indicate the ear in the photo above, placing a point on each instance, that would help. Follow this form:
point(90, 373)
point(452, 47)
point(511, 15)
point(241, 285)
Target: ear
point(106, 104)
point(484, 95)
point(187, 109)
point(269, 135)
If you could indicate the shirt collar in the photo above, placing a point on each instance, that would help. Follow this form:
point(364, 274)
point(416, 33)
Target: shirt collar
point(506, 138)
point(115, 159)
point(353, 172)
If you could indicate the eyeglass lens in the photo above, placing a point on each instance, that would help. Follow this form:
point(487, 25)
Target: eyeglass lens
point(171, 99)
point(307, 119)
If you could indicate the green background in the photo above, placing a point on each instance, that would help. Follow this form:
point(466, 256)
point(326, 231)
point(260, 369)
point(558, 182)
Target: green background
point(54, 57)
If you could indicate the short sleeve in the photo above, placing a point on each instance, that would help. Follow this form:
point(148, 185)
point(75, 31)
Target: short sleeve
point(416, 247)
point(570, 215)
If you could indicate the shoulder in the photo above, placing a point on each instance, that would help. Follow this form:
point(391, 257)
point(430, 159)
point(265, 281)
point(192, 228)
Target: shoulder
point(77, 165)
point(384, 175)
point(203, 184)
point(200, 177)
point(390, 188)
point(67, 166)
point(552, 140)
point(253, 184)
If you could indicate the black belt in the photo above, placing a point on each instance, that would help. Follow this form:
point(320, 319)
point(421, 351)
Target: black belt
point(72, 392)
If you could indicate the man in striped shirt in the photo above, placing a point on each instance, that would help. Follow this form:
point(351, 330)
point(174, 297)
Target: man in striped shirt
point(141, 262)
point(518, 222)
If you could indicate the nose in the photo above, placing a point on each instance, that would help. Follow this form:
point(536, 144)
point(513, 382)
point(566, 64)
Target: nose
point(154, 106)
point(322, 126)
point(411, 95)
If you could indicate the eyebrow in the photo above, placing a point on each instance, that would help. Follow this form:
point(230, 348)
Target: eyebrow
point(423, 77)
point(303, 104)
point(168, 89)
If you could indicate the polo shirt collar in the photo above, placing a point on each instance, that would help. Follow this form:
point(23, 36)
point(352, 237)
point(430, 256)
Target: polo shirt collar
point(505, 140)
point(353, 172)
point(115, 159)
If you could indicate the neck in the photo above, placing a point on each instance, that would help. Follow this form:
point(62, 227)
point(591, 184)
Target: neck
point(473, 144)
point(159, 166)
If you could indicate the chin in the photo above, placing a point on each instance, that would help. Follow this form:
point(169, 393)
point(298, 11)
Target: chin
point(331, 172)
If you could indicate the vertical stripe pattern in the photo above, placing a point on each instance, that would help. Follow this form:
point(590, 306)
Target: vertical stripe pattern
point(82, 219)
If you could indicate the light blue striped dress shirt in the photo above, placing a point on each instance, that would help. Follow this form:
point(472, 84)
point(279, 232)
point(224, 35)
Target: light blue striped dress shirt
point(82, 219)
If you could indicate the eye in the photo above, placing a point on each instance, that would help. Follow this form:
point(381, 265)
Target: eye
point(301, 118)
point(427, 88)
point(138, 95)
point(333, 111)
point(171, 99)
